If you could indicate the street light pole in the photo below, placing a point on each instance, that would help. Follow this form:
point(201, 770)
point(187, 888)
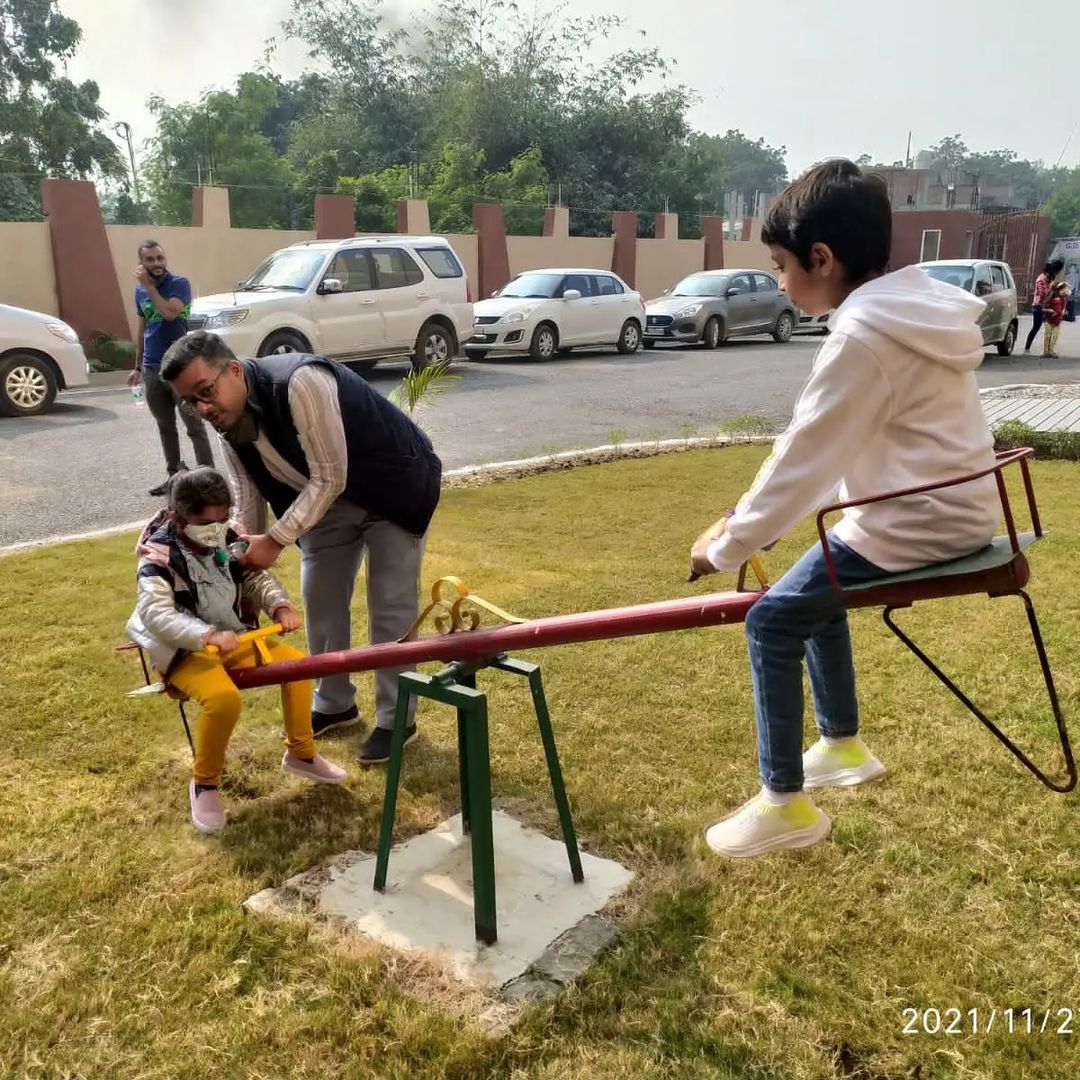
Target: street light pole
point(123, 129)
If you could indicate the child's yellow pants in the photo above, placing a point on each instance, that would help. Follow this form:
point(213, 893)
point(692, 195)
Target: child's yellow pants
point(205, 680)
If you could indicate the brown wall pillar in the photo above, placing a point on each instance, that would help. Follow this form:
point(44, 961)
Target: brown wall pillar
point(334, 217)
point(712, 229)
point(624, 257)
point(667, 227)
point(747, 228)
point(413, 218)
point(491, 245)
point(86, 285)
point(210, 207)
point(557, 221)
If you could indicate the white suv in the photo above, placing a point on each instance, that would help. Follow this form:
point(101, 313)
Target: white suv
point(358, 301)
point(39, 354)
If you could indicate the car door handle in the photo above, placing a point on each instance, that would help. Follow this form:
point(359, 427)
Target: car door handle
point(366, 302)
point(423, 296)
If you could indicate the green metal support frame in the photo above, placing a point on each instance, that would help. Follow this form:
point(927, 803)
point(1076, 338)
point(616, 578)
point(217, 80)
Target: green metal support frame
point(456, 686)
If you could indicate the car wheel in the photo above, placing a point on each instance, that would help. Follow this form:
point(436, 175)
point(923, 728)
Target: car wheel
point(283, 341)
point(476, 354)
point(713, 334)
point(434, 345)
point(545, 341)
point(1006, 345)
point(27, 385)
point(630, 338)
point(785, 326)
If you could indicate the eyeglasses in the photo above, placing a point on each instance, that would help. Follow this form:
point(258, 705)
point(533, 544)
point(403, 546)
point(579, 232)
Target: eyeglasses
point(207, 393)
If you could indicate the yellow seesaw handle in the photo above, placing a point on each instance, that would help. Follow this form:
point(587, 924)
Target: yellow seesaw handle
point(759, 570)
point(251, 637)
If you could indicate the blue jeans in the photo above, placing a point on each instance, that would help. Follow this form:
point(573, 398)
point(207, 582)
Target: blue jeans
point(803, 615)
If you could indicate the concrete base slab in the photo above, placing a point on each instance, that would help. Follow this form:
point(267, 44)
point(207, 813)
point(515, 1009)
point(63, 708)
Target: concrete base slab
point(548, 928)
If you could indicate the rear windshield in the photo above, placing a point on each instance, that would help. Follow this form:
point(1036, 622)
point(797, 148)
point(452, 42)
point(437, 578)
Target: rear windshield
point(960, 276)
point(441, 262)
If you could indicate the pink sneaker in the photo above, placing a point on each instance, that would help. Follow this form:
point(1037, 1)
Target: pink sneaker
point(207, 811)
point(318, 769)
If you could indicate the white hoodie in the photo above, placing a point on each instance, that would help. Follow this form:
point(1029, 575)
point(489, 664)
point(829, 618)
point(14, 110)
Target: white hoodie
point(891, 403)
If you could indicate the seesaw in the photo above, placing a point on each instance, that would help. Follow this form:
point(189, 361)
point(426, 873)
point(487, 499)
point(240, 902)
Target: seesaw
point(998, 570)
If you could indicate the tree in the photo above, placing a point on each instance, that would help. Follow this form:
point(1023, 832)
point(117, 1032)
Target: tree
point(1063, 206)
point(747, 166)
point(49, 126)
point(220, 140)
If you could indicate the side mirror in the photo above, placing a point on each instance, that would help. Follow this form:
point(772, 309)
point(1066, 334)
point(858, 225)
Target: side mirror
point(733, 292)
point(572, 294)
point(330, 285)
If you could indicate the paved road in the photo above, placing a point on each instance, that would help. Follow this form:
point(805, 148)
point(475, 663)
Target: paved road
point(88, 464)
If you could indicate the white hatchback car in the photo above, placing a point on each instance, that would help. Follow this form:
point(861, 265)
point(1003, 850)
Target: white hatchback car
point(39, 355)
point(358, 301)
point(544, 312)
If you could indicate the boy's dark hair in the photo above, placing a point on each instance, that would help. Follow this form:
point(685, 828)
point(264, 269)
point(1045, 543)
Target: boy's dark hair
point(192, 491)
point(834, 204)
point(196, 345)
point(146, 245)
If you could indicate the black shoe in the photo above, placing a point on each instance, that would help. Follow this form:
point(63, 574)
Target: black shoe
point(376, 748)
point(322, 722)
point(163, 487)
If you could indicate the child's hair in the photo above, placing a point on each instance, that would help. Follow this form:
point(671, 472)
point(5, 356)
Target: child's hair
point(834, 204)
point(191, 492)
point(1058, 288)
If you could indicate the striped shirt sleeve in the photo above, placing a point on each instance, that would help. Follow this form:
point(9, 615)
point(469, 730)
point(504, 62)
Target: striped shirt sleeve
point(316, 412)
point(249, 507)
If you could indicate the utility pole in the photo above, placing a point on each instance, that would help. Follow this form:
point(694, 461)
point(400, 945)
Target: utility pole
point(123, 129)
point(907, 156)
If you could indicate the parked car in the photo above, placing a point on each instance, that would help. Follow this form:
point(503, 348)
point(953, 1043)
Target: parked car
point(990, 281)
point(544, 312)
point(39, 355)
point(712, 306)
point(358, 301)
point(814, 324)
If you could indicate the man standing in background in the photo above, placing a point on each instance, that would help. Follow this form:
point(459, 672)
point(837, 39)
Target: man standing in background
point(163, 304)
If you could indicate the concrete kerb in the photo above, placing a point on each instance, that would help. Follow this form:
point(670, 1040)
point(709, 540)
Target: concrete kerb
point(479, 475)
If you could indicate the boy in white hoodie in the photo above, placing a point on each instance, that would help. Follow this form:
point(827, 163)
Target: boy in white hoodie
point(891, 403)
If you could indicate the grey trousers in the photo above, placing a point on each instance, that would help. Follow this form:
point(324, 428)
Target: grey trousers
point(163, 404)
point(331, 554)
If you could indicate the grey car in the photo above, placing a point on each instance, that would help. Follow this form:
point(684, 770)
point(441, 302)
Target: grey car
point(991, 281)
point(715, 305)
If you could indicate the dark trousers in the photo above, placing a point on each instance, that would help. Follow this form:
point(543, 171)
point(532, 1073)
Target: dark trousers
point(163, 404)
point(1036, 323)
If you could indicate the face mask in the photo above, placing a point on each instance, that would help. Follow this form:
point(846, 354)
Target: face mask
point(208, 536)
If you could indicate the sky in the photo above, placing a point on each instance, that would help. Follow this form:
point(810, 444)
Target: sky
point(831, 78)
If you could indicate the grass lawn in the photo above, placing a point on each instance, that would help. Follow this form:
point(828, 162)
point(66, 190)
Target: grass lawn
point(954, 883)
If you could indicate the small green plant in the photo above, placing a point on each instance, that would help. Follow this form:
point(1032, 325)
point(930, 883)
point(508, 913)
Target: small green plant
point(1048, 445)
point(419, 388)
point(748, 426)
point(617, 437)
point(1012, 433)
point(688, 429)
point(106, 353)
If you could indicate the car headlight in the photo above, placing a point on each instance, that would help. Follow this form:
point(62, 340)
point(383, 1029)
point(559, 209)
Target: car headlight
point(688, 312)
point(222, 319)
point(514, 317)
point(63, 331)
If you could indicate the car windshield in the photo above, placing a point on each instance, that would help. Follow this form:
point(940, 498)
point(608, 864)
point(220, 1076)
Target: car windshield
point(701, 285)
point(293, 270)
point(960, 276)
point(534, 286)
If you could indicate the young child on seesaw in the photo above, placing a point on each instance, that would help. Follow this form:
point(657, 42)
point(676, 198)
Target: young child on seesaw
point(891, 403)
point(190, 597)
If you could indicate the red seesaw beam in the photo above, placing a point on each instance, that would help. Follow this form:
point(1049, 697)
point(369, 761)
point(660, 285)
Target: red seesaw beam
point(718, 609)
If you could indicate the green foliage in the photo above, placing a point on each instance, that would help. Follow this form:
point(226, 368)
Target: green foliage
point(1050, 445)
point(747, 426)
point(49, 125)
point(419, 388)
point(106, 353)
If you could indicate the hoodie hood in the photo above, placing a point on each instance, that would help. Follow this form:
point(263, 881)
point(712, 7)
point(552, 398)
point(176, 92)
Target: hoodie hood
point(935, 320)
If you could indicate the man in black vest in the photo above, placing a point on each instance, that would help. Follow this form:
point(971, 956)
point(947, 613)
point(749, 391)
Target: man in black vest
point(346, 474)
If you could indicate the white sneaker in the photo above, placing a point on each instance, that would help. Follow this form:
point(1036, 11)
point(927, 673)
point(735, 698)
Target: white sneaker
point(207, 810)
point(758, 827)
point(845, 763)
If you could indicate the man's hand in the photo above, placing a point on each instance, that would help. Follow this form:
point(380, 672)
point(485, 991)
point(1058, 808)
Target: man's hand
point(142, 276)
point(262, 553)
point(699, 553)
point(288, 618)
point(134, 377)
point(224, 640)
